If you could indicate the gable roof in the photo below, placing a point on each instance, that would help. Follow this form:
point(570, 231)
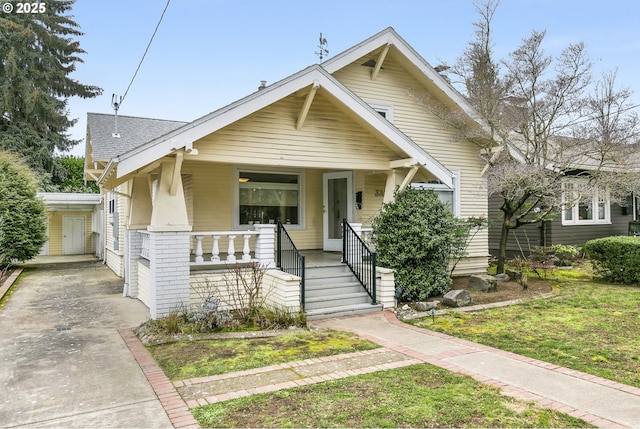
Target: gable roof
point(315, 76)
point(133, 132)
point(388, 36)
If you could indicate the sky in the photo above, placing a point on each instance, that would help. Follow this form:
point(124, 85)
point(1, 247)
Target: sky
point(209, 53)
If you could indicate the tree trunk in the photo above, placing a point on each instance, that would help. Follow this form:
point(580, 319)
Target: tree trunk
point(502, 253)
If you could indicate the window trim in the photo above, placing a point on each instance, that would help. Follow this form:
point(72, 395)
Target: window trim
point(385, 108)
point(235, 215)
point(111, 203)
point(440, 187)
point(575, 210)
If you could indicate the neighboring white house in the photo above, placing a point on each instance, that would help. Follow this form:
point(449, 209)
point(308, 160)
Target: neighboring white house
point(331, 142)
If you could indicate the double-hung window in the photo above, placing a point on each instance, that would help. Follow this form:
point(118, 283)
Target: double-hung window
point(265, 196)
point(578, 209)
point(449, 196)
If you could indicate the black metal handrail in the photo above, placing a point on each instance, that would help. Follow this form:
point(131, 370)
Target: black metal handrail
point(289, 259)
point(360, 259)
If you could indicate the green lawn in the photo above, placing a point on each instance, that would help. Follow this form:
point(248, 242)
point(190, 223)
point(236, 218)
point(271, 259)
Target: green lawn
point(415, 396)
point(588, 326)
point(189, 359)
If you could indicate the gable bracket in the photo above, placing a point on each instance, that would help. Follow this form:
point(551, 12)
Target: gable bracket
point(307, 105)
point(383, 54)
point(403, 163)
point(175, 178)
point(408, 178)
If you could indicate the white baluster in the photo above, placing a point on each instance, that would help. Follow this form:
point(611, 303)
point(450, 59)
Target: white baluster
point(246, 256)
point(144, 252)
point(231, 250)
point(215, 250)
point(199, 257)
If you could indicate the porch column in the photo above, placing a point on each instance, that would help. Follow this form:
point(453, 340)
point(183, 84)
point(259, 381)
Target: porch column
point(398, 180)
point(169, 271)
point(169, 208)
point(385, 287)
point(393, 183)
point(357, 228)
point(265, 246)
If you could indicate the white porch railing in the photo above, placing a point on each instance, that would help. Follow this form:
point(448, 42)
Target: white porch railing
point(144, 251)
point(231, 237)
point(367, 236)
point(240, 246)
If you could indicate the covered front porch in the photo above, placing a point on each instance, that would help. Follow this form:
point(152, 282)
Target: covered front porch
point(167, 275)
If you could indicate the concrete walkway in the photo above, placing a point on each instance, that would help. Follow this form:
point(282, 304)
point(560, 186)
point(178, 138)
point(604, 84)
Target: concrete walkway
point(600, 402)
point(63, 362)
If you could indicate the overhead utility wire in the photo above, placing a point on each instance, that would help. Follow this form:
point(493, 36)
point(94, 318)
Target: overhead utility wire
point(145, 52)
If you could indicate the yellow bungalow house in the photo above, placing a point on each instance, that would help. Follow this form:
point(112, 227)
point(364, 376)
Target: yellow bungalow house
point(290, 161)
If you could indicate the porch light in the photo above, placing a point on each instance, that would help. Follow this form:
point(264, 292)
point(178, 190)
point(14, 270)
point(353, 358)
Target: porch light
point(243, 179)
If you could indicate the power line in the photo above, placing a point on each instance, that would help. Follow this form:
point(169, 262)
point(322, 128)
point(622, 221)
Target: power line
point(145, 53)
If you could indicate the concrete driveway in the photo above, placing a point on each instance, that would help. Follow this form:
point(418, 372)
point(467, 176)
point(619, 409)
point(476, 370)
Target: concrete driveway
point(62, 361)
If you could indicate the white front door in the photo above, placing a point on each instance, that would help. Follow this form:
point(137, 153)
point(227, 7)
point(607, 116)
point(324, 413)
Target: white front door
point(338, 205)
point(73, 237)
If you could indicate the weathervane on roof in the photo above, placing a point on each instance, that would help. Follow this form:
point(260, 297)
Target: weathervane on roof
point(116, 101)
point(323, 51)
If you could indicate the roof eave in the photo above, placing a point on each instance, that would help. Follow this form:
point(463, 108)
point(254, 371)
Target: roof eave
point(314, 75)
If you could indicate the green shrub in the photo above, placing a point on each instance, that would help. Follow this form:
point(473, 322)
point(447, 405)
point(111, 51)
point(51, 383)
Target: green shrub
point(565, 254)
point(22, 220)
point(616, 258)
point(415, 235)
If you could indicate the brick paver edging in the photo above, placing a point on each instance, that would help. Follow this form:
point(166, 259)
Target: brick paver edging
point(304, 381)
point(171, 401)
point(508, 389)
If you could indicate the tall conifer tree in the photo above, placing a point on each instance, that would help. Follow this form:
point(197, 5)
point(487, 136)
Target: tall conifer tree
point(38, 53)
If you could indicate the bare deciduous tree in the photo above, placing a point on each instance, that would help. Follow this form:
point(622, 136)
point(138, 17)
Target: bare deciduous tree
point(541, 121)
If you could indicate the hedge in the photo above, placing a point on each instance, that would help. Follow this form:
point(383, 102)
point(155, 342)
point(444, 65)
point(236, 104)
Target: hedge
point(616, 258)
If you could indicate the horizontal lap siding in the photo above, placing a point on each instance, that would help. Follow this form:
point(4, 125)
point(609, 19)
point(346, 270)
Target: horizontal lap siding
point(372, 188)
point(115, 258)
point(527, 237)
point(311, 236)
point(55, 219)
point(395, 86)
point(580, 234)
point(144, 283)
point(328, 139)
point(212, 195)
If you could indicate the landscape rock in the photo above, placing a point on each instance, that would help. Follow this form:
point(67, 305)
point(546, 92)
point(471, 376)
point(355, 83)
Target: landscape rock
point(502, 277)
point(457, 298)
point(482, 283)
point(426, 306)
point(405, 307)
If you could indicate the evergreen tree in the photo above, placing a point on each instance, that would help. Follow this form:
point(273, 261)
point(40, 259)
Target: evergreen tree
point(22, 217)
point(38, 53)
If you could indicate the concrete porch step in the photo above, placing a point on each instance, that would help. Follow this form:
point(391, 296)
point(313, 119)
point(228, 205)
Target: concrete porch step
point(339, 311)
point(341, 299)
point(315, 280)
point(333, 291)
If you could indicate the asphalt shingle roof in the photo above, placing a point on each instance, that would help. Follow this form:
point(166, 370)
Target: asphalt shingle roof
point(134, 132)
